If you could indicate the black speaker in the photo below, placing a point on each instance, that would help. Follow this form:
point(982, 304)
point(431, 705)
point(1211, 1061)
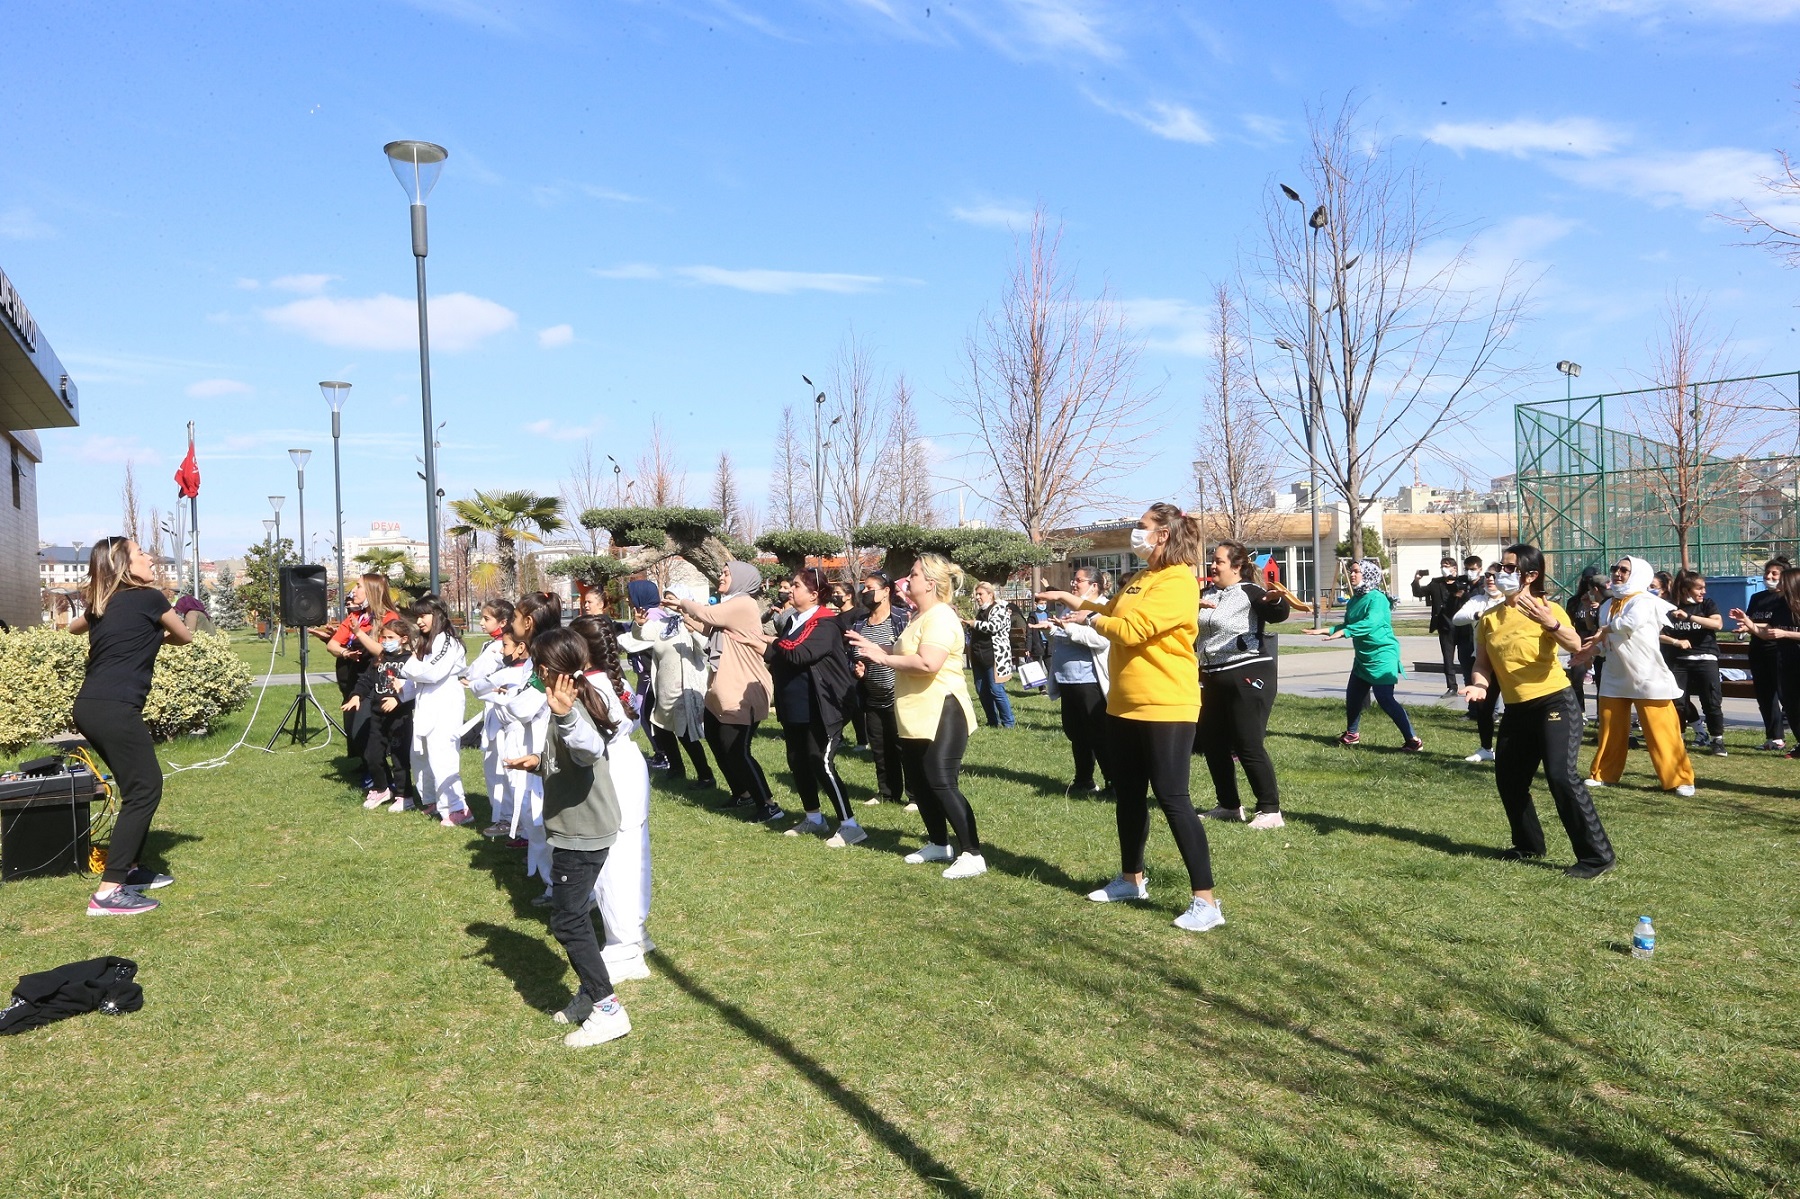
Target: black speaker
point(302, 595)
point(43, 837)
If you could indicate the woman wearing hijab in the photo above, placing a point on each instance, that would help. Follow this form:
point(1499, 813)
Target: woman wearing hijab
point(1631, 625)
point(810, 668)
point(737, 698)
point(1369, 625)
point(1516, 643)
point(675, 705)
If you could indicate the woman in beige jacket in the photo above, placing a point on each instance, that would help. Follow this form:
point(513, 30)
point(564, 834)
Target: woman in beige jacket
point(737, 697)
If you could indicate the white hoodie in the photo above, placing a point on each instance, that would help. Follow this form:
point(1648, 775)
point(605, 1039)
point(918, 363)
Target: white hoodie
point(1631, 635)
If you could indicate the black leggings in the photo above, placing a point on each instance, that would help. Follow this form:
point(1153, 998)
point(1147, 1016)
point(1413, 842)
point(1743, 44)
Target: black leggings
point(1234, 719)
point(117, 732)
point(389, 739)
point(1547, 731)
point(1456, 645)
point(812, 760)
point(731, 746)
point(1765, 673)
point(883, 727)
point(1152, 756)
point(1700, 681)
point(932, 768)
point(669, 746)
point(1483, 712)
point(575, 872)
point(1084, 724)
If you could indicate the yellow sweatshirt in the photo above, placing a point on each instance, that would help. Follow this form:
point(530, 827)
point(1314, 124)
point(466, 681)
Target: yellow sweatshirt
point(1152, 624)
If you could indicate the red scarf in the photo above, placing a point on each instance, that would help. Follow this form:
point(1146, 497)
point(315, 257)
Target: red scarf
point(792, 641)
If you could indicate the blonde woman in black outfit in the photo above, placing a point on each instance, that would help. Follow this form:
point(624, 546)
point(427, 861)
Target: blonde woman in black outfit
point(127, 620)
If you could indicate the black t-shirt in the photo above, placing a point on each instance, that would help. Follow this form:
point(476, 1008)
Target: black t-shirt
point(122, 646)
point(1702, 642)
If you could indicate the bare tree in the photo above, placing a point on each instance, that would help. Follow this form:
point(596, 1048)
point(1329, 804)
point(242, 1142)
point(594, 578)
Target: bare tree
point(587, 486)
point(1701, 432)
point(1776, 228)
point(1051, 393)
point(1235, 458)
point(1407, 345)
point(912, 494)
point(132, 506)
point(725, 499)
point(661, 483)
point(790, 476)
point(749, 522)
point(856, 467)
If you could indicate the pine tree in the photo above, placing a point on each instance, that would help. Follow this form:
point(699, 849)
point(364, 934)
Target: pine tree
point(221, 600)
point(725, 499)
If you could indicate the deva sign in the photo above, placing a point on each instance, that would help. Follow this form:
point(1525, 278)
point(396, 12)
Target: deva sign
point(12, 307)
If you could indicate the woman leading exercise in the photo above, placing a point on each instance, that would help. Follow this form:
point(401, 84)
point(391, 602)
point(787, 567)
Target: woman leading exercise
point(1515, 646)
point(1237, 686)
point(127, 621)
point(1153, 705)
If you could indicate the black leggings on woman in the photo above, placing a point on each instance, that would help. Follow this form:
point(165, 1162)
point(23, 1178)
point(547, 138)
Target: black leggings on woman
point(812, 760)
point(1483, 712)
point(1084, 724)
point(669, 746)
point(731, 746)
point(1547, 731)
point(932, 769)
point(1765, 673)
point(117, 731)
point(1152, 756)
point(388, 739)
point(1699, 680)
point(1234, 719)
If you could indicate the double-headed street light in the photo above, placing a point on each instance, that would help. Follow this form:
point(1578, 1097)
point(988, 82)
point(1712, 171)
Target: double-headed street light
point(818, 455)
point(335, 394)
point(417, 166)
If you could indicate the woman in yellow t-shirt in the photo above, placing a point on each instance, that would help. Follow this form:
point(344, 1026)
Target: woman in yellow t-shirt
point(934, 715)
point(1515, 645)
point(1153, 704)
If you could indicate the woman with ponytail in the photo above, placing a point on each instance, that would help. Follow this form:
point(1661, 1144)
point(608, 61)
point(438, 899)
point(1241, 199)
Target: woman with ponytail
point(127, 620)
point(1153, 705)
point(433, 681)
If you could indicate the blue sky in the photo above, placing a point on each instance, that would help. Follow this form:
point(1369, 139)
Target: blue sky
point(678, 208)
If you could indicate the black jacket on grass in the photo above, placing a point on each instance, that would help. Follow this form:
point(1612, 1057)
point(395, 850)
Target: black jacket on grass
point(96, 985)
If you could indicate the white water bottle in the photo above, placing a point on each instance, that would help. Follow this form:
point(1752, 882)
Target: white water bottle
point(1643, 938)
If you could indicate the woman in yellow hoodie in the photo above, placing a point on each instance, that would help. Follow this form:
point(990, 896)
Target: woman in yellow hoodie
point(1154, 703)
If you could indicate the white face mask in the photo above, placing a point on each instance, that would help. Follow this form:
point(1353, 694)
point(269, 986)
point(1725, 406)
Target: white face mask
point(1619, 590)
point(1771, 584)
point(390, 646)
point(1472, 574)
point(1140, 540)
point(1448, 571)
point(1507, 583)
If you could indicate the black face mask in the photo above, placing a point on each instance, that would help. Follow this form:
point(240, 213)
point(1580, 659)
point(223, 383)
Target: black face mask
point(870, 600)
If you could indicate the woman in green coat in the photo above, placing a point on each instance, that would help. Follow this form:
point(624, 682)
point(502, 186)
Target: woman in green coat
point(1369, 624)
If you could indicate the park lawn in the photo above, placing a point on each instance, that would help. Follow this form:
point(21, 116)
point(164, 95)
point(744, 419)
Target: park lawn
point(348, 1003)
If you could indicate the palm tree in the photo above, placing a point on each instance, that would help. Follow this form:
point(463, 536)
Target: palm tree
point(397, 565)
point(511, 517)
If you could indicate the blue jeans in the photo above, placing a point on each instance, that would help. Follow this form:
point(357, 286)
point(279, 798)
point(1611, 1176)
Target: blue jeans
point(993, 698)
point(1356, 697)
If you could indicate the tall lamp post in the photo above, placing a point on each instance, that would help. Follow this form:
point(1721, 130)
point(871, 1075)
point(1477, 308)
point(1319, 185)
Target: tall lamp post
point(818, 456)
point(275, 502)
point(1570, 371)
point(1315, 222)
point(335, 394)
point(269, 554)
point(417, 165)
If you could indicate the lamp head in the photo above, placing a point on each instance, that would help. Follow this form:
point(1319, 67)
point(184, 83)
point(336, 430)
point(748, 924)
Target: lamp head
point(335, 393)
point(417, 166)
point(1317, 219)
point(269, 526)
point(1284, 344)
point(1571, 369)
point(275, 502)
point(1290, 193)
point(299, 457)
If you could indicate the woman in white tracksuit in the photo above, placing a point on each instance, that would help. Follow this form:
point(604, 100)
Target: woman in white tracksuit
point(432, 680)
point(524, 724)
point(496, 615)
point(623, 888)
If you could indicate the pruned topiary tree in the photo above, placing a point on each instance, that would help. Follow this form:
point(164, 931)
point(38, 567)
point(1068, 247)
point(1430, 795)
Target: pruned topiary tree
point(991, 555)
point(794, 546)
point(654, 535)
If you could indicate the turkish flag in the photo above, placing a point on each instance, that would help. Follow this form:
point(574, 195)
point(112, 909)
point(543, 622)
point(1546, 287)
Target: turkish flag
point(187, 475)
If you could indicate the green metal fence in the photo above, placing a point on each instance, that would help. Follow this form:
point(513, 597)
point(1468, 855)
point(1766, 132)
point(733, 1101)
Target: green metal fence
point(1589, 494)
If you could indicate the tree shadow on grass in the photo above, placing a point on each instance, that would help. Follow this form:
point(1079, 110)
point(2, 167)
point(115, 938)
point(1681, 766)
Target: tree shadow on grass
point(535, 970)
point(933, 1172)
point(1043, 782)
point(1324, 824)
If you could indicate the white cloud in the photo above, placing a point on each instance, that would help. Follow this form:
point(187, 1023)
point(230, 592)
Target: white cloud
point(117, 450)
point(1032, 29)
point(1263, 128)
point(306, 285)
point(1561, 14)
point(1172, 326)
point(630, 270)
point(459, 321)
point(761, 281)
point(557, 431)
point(594, 192)
point(1495, 254)
point(22, 224)
point(207, 389)
point(1175, 122)
point(556, 335)
point(992, 216)
point(1706, 180)
point(1580, 136)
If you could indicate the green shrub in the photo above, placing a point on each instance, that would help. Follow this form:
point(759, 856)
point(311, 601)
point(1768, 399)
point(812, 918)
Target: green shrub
point(41, 670)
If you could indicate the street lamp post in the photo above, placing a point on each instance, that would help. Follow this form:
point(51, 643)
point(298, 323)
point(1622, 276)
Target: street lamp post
point(275, 502)
point(335, 394)
point(1314, 411)
point(417, 166)
point(818, 456)
point(269, 553)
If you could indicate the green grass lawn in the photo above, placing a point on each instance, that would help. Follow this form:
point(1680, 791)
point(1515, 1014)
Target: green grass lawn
point(349, 1003)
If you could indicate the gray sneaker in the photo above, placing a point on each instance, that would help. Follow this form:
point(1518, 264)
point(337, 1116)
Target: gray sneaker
point(1121, 888)
point(142, 879)
point(121, 903)
point(1224, 813)
point(1201, 915)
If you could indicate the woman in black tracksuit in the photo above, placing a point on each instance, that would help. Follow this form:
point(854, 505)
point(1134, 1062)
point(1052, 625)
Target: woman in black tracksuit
point(1691, 648)
point(1768, 607)
point(810, 667)
point(1237, 685)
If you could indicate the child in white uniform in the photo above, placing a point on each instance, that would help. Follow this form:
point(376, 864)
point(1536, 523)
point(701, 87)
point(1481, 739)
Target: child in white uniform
point(496, 615)
point(432, 677)
point(623, 889)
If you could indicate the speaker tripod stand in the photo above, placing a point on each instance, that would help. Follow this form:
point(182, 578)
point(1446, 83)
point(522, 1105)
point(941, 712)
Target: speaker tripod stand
point(296, 724)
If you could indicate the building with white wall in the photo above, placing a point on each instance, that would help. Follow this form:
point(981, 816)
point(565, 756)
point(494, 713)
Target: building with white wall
point(35, 393)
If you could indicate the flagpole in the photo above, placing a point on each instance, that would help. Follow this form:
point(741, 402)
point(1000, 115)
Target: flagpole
point(194, 518)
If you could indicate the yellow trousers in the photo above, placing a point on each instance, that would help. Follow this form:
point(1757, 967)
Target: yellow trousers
point(1662, 737)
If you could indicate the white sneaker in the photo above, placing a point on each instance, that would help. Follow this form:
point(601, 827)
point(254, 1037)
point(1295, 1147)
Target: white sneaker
point(872, 801)
point(1686, 790)
point(627, 969)
point(608, 1023)
point(377, 799)
point(401, 804)
point(930, 853)
point(850, 833)
point(1201, 915)
point(812, 825)
point(911, 807)
point(1268, 820)
point(1595, 783)
point(967, 865)
point(1121, 888)
point(1480, 755)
